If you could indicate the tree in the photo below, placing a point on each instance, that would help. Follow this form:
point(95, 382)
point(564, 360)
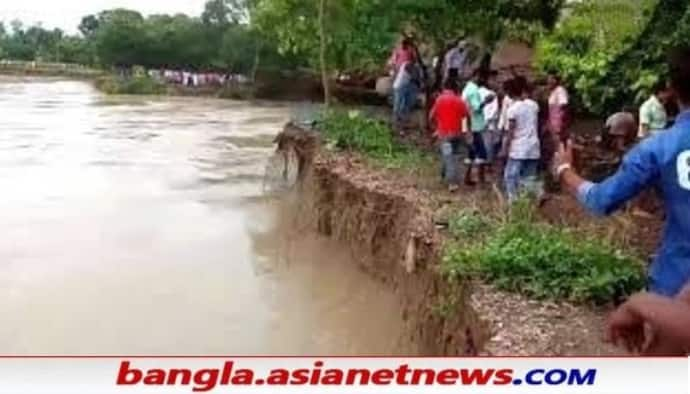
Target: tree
point(17, 27)
point(121, 38)
point(239, 50)
point(612, 52)
point(26, 44)
point(88, 25)
point(43, 43)
point(3, 37)
point(361, 32)
point(325, 78)
point(73, 49)
point(226, 12)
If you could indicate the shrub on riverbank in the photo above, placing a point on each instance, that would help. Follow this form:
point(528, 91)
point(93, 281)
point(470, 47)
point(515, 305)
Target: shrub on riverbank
point(138, 84)
point(587, 42)
point(353, 131)
point(519, 253)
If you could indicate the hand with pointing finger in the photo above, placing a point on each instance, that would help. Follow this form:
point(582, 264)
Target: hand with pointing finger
point(563, 159)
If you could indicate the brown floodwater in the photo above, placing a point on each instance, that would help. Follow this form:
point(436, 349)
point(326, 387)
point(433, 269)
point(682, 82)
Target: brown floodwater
point(137, 225)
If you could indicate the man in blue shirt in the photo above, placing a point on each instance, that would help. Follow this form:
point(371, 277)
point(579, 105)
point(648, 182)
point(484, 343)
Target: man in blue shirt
point(661, 161)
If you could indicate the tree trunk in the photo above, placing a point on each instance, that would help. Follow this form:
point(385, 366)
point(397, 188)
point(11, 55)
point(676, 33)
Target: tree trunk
point(257, 61)
point(322, 53)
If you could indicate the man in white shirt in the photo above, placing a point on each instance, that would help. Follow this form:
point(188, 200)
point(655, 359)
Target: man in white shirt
point(491, 116)
point(523, 148)
point(653, 116)
point(454, 62)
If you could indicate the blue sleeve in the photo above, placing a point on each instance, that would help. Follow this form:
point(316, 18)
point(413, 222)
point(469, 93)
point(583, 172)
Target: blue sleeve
point(638, 171)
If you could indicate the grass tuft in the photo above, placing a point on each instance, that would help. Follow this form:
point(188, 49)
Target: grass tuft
point(353, 131)
point(521, 254)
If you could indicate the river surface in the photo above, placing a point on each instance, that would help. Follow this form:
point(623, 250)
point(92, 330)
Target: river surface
point(135, 225)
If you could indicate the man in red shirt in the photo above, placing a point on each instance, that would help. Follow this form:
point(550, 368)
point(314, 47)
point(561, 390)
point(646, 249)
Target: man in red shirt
point(449, 113)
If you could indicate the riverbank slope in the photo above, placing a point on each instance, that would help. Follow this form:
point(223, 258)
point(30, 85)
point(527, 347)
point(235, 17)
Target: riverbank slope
point(390, 223)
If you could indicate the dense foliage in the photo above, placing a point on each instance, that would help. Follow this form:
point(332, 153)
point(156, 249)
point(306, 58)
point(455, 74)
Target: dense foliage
point(583, 47)
point(360, 33)
point(642, 64)
point(20, 42)
point(221, 39)
point(238, 35)
point(518, 253)
point(611, 52)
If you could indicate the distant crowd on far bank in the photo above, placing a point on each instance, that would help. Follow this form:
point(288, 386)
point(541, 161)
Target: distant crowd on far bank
point(195, 78)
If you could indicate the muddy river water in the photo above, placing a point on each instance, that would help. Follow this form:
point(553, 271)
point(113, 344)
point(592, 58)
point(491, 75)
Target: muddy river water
point(135, 225)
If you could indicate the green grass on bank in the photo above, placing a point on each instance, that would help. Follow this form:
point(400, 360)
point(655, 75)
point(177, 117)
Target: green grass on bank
point(373, 138)
point(516, 252)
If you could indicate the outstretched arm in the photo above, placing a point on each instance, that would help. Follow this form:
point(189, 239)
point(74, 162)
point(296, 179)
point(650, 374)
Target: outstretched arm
point(638, 170)
point(570, 180)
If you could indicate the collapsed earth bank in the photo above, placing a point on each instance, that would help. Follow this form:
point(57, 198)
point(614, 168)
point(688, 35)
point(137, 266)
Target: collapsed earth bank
point(388, 224)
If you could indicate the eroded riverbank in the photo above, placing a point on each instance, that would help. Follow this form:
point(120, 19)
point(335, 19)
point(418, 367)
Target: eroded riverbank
point(388, 221)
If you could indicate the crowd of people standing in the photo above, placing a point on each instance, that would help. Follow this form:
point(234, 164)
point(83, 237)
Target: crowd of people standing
point(195, 78)
point(514, 143)
point(506, 129)
point(500, 130)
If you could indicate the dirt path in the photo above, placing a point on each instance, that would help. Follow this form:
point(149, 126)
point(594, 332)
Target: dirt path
point(524, 327)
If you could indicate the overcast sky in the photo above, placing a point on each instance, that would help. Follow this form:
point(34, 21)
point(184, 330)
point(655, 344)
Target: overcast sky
point(66, 14)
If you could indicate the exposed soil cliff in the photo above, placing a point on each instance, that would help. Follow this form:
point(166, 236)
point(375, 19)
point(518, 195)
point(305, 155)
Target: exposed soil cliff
point(389, 225)
point(392, 237)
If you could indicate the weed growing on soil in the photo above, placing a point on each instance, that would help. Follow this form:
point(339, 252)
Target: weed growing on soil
point(352, 131)
point(468, 223)
point(540, 260)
